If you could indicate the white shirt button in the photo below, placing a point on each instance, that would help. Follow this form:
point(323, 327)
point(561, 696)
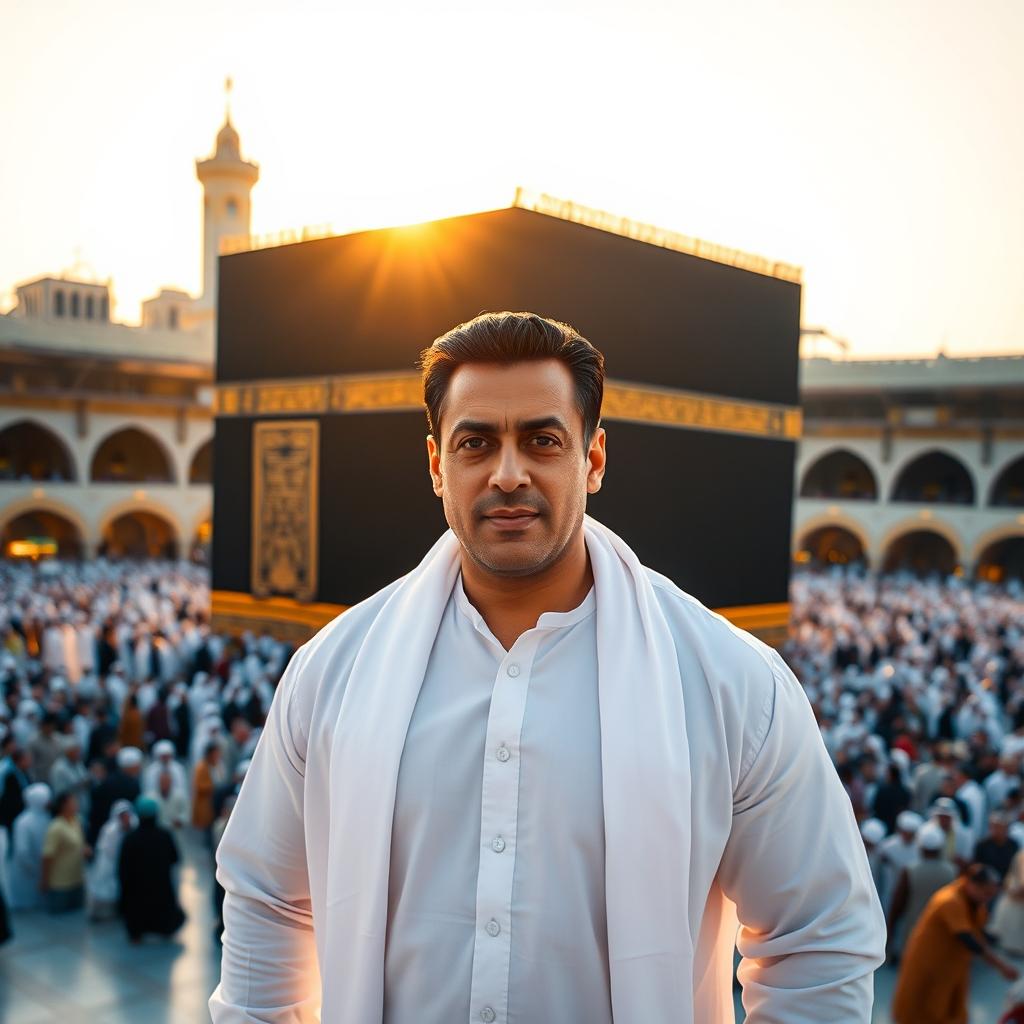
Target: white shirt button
point(497, 844)
point(493, 928)
point(503, 753)
point(513, 670)
point(487, 1015)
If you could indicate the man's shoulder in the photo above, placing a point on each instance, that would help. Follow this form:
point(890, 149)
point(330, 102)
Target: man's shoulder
point(348, 628)
point(709, 634)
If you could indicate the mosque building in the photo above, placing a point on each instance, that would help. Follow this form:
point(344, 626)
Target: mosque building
point(912, 463)
point(106, 429)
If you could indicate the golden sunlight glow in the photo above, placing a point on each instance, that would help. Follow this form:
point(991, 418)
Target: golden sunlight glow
point(830, 136)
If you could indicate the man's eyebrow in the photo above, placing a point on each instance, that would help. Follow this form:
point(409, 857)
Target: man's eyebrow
point(485, 427)
point(542, 423)
point(475, 427)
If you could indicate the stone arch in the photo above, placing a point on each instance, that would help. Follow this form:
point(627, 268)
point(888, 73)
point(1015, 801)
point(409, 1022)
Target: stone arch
point(831, 544)
point(200, 465)
point(935, 477)
point(830, 520)
point(1002, 557)
point(143, 539)
point(131, 454)
point(1007, 490)
point(44, 518)
point(30, 450)
point(910, 544)
point(841, 475)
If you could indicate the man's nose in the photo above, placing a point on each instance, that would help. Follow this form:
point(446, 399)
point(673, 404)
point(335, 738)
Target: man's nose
point(510, 472)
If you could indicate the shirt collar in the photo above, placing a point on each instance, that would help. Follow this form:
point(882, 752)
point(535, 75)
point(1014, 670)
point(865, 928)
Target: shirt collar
point(547, 620)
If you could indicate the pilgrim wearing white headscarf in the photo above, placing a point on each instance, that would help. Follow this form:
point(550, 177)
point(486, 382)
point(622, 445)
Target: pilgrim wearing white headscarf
point(52, 648)
point(85, 638)
point(163, 761)
point(897, 852)
point(27, 838)
point(665, 773)
point(69, 774)
point(102, 884)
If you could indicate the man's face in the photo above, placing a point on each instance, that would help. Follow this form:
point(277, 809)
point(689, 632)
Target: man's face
point(510, 465)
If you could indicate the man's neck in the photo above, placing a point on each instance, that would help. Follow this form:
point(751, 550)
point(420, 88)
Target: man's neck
point(510, 605)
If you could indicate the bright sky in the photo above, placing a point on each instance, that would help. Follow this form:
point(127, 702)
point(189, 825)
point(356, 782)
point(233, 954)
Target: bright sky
point(879, 145)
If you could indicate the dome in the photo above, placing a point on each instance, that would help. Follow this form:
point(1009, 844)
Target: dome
point(227, 141)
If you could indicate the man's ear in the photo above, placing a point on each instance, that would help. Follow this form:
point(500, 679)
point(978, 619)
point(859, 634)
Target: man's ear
point(434, 465)
point(596, 461)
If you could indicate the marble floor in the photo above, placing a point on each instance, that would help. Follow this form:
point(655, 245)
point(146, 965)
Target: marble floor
point(66, 970)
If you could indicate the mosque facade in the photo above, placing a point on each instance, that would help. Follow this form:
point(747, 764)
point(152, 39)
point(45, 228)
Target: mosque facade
point(106, 429)
point(912, 463)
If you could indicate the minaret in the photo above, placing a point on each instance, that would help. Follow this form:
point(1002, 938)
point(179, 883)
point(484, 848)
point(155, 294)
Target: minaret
point(227, 181)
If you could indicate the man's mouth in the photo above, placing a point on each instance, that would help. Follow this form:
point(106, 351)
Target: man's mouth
point(512, 519)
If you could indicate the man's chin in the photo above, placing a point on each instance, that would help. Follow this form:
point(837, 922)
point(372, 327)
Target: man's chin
point(509, 558)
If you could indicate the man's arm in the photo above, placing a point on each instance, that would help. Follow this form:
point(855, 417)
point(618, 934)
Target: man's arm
point(269, 968)
point(812, 931)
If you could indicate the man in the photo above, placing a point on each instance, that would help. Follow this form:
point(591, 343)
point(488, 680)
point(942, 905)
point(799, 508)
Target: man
point(970, 793)
point(935, 974)
point(164, 763)
point(959, 845)
point(45, 748)
point(997, 849)
point(917, 884)
point(121, 784)
point(68, 774)
point(897, 852)
point(530, 780)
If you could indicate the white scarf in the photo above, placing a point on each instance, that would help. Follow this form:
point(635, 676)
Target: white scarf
point(645, 776)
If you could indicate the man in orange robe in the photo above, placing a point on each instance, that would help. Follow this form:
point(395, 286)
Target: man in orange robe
point(935, 972)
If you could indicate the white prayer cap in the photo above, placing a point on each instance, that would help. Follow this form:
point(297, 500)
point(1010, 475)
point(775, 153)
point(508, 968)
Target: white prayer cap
point(37, 796)
point(931, 837)
point(129, 757)
point(163, 748)
point(908, 821)
point(121, 807)
point(872, 830)
point(946, 805)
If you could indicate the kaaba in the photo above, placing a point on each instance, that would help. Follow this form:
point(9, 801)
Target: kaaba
point(321, 491)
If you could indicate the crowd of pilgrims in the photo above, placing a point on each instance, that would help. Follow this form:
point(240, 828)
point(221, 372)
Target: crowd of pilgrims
point(125, 720)
point(918, 688)
point(126, 727)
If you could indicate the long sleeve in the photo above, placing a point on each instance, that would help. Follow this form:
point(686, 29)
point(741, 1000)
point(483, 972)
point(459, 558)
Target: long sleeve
point(812, 931)
point(269, 968)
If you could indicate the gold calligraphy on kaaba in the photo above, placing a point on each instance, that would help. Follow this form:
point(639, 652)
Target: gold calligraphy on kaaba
point(285, 508)
point(637, 403)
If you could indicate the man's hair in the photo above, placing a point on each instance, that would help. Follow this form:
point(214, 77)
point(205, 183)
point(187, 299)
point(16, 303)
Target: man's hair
point(513, 338)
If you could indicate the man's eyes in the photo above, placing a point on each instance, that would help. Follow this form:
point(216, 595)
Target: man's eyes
point(539, 441)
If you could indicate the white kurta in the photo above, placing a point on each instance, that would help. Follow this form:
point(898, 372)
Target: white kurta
point(496, 894)
point(718, 796)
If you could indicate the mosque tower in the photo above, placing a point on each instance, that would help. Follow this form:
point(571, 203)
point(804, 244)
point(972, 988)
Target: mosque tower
point(227, 180)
